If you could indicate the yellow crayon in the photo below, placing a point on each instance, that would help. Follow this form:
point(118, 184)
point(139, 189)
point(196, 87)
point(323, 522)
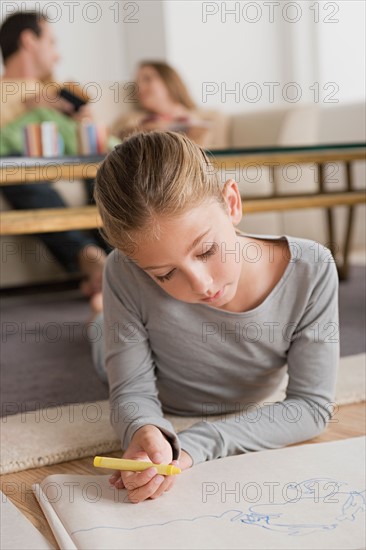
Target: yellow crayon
point(134, 465)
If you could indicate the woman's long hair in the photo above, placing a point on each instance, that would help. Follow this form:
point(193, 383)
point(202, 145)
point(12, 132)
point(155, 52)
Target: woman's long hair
point(175, 85)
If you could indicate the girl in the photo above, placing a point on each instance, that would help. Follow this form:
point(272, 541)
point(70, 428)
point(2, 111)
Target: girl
point(164, 103)
point(200, 318)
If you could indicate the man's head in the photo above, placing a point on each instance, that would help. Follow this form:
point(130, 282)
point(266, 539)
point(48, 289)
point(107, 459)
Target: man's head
point(28, 37)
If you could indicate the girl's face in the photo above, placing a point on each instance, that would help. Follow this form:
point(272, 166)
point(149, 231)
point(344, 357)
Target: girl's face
point(152, 92)
point(197, 257)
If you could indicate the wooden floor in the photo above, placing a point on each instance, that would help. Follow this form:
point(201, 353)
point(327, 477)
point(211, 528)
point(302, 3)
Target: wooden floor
point(348, 421)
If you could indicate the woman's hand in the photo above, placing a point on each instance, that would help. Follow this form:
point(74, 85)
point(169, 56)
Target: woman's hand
point(157, 123)
point(150, 445)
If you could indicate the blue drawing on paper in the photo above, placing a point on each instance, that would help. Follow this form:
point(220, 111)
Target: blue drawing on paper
point(343, 506)
point(285, 517)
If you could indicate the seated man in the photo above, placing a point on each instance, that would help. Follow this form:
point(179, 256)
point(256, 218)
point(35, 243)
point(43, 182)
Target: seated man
point(29, 53)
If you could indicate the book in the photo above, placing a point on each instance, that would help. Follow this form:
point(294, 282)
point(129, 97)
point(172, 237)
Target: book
point(50, 145)
point(42, 140)
point(92, 138)
point(32, 140)
point(305, 496)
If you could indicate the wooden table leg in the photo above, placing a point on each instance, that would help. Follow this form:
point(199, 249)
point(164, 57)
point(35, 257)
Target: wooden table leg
point(331, 242)
point(343, 271)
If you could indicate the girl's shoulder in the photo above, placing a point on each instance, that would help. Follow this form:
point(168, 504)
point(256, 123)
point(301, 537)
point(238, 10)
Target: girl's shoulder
point(311, 257)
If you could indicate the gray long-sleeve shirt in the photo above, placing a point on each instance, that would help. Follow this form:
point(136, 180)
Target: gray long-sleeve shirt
point(163, 354)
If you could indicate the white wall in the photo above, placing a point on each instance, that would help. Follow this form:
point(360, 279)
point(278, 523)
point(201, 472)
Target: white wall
point(320, 46)
point(224, 50)
point(342, 51)
point(145, 39)
point(90, 39)
point(229, 44)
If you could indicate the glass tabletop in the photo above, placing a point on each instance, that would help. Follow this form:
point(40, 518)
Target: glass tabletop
point(288, 148)
point(87, 159)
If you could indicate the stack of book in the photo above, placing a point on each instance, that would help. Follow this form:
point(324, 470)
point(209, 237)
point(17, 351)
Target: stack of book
point(42, 140)
point(92, 138)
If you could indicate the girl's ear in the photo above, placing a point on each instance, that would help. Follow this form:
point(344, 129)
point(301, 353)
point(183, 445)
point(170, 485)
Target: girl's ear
point(232, 199)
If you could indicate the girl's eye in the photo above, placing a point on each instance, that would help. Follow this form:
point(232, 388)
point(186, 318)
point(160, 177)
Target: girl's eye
point(209, 252)
point(166, 277)
point(203, 256)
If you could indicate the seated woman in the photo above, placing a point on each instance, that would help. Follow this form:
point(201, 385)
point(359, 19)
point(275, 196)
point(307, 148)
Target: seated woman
point(164, 103)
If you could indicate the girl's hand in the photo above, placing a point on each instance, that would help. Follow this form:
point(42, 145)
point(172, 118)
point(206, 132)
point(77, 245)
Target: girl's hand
point(150, 445)
point(185, 461)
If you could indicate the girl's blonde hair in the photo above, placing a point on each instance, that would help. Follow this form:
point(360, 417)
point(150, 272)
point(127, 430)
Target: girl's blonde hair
point(150, 175)
point(178, 91)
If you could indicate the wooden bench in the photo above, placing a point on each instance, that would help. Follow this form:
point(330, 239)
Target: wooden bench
point(26, 222)
point(14, 171)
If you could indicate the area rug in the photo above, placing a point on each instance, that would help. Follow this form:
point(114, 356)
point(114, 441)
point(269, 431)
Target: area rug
point(58, 434)
point(46, 354)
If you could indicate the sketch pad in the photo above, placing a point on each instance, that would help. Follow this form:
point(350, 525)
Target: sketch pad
point(308, 496)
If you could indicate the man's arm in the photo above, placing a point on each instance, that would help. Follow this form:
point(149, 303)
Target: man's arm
point(20, 96)
point(16, 96)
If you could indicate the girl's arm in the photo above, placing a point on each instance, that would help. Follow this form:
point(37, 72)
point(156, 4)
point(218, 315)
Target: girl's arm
point(313, 359)
point(136, 412)
point(128, 358)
